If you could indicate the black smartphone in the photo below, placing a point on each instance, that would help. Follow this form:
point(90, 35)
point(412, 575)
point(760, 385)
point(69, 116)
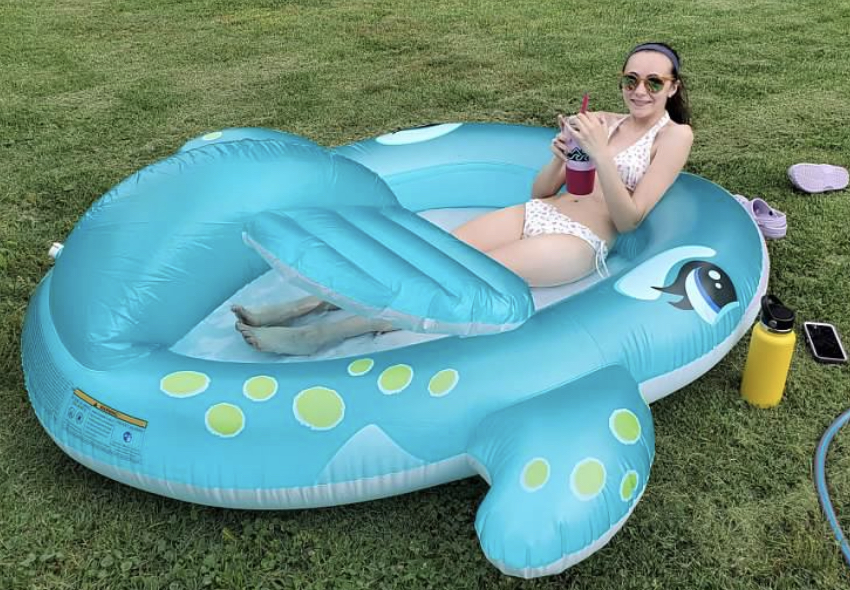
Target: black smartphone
point(824, 342)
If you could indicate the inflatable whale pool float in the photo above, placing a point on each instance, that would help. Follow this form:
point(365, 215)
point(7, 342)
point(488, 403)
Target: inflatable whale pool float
point(135, 370)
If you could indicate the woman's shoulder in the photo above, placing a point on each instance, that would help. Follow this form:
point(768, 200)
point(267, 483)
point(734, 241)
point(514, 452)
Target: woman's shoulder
point(678, 132)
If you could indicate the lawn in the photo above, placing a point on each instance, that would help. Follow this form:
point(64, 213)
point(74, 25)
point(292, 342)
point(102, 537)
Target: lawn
point(93, 90)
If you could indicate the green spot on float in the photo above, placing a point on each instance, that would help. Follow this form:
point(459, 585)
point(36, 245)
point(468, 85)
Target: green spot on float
point(395, 379)
point(625, 426)
point(260, 388)
point(535, 474)
point(184, 383)
point(628, 486)
point(225, 420)
point(588, 478)
point(443, 382)
point(318, 408)
point(360, 367)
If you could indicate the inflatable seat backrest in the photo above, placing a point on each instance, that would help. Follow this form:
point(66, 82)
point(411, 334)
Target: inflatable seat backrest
point(164, 247)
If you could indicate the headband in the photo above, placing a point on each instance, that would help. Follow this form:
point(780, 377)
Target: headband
point(663, 49)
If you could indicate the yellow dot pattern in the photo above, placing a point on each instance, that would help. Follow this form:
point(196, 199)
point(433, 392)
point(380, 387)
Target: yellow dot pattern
point(360, 367)
point(625, 426)
point(212, 136)
point(260, 388)
point(184, 383)
point(318, 408)
point(629, 485)
point(588, 478)
point(443, 382)
point(395, 379)
point(535, 474)
point(225, 420)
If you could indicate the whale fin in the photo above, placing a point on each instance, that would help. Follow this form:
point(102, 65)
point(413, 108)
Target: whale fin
point(566, 470)
point(350, 461)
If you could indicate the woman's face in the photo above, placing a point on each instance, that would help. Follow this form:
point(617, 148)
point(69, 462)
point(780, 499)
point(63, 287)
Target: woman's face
point(639, 98)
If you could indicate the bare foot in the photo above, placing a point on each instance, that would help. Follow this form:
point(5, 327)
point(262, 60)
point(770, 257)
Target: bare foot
point(280, 314)
point(301, 341)
point(244, 316)
point(307, 340)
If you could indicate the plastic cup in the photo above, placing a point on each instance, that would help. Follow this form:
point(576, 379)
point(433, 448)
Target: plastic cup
point(580, 171)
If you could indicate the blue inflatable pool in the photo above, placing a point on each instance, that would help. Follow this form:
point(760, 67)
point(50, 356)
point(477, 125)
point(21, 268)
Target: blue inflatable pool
point(134, 368)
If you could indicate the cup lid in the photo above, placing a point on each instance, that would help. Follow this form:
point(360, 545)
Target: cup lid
point(775, 316)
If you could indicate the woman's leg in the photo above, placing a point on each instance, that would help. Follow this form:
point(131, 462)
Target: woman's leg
point(547, 260)
point(493, 230)
point(484, 233)
point(542, 261)
point(306, 340)
point(281, 313)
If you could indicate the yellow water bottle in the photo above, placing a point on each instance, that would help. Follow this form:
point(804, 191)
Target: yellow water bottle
point(769, 357)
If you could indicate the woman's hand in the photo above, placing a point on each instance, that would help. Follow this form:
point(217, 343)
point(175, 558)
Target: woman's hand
point(559, 144)
point(590, 132)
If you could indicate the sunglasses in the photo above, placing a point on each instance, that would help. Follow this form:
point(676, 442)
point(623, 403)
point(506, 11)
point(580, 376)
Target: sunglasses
point(653, 83)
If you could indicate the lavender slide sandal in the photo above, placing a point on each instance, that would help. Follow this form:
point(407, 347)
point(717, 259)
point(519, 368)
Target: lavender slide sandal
point(818, 178)
point(773, 223)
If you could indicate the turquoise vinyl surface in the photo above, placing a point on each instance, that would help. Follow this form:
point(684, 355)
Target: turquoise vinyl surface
point(553, 412)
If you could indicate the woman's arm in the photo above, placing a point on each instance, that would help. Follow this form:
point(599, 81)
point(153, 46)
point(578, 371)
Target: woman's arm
point(629, 210)
point(673, 145)
point(551, 177)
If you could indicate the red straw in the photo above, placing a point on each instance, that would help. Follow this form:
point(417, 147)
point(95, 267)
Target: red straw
point(584, 102)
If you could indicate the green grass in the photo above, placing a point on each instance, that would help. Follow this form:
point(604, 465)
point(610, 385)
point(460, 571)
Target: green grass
point(92, 90)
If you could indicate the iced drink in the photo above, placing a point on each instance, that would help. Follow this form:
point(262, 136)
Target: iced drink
point(581, 173)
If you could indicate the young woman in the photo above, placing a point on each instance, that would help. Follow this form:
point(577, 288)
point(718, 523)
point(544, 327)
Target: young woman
point(555, 238)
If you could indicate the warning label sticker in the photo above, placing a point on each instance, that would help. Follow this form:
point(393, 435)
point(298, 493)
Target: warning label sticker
point(105, 428)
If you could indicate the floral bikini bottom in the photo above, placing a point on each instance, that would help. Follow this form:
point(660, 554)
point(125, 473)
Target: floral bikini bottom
point(544, 218)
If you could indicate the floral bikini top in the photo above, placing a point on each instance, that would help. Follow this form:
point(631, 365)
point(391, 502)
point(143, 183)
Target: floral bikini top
point(633, 161)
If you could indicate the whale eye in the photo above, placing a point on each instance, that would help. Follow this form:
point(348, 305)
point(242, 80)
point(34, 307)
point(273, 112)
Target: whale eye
point(640, 282)
point(710, 292)
point(700, 285)
point(705, 288)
